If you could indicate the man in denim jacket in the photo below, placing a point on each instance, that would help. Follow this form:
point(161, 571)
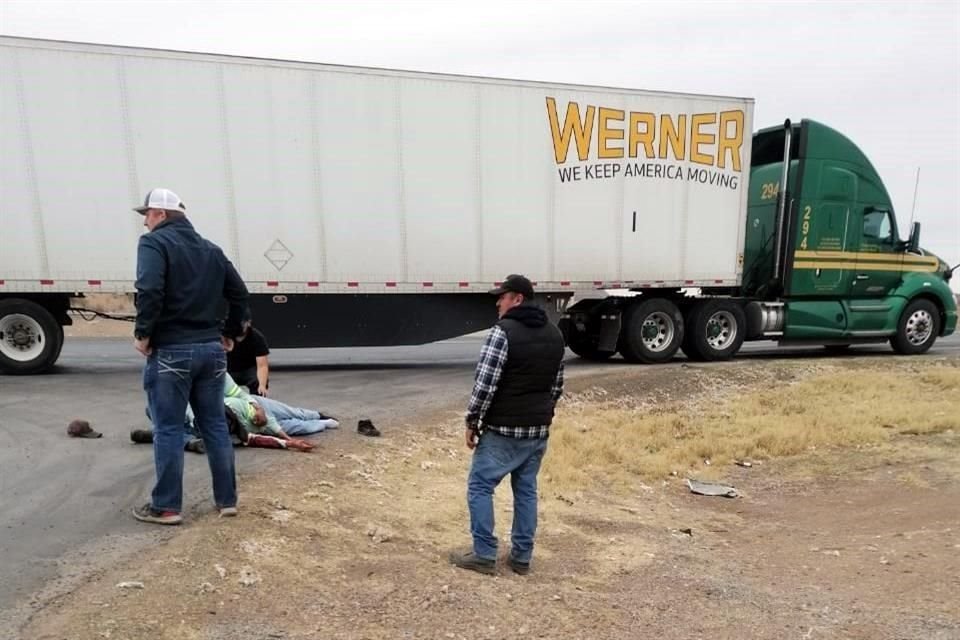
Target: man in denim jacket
point(182, 280)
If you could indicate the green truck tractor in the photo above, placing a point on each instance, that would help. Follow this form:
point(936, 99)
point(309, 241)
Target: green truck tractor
point(823, 264)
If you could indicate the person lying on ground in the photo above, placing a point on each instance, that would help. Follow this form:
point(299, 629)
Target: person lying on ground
point(253, 417)
point(262, 441)
point(295, 421)
point(242, 436)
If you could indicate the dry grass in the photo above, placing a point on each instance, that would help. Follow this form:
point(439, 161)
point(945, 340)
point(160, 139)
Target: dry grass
point(616, 446)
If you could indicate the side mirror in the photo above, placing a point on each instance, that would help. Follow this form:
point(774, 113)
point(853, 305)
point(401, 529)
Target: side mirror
point(913, 244)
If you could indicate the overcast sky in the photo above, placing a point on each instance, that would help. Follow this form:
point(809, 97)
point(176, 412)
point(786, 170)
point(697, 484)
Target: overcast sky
point(885, 73)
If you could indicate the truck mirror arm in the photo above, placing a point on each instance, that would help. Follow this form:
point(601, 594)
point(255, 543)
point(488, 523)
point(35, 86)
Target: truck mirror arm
point(914, 242)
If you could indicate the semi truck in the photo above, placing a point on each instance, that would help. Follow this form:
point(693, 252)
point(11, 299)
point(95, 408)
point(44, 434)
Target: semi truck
point(372, 207)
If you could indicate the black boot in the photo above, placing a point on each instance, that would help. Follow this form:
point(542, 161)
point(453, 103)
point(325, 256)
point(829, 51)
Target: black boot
point(141, 436)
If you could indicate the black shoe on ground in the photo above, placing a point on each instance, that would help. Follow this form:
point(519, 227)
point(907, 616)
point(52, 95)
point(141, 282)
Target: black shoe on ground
point(521, 568)
point(196, 446)
point(471, 561)
point(147, 513)
point(366, 428)
point(141, 436)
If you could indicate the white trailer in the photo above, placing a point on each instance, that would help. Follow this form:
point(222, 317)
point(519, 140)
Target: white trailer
point(362, 206)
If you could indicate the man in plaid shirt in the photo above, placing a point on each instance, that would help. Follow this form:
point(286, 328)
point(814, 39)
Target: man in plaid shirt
point(518, 381)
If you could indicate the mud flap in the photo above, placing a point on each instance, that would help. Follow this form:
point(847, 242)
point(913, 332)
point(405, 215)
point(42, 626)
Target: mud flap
point(609, 332)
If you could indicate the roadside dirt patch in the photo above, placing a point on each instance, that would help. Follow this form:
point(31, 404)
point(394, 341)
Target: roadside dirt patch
point(89, 325)
point(351, 541)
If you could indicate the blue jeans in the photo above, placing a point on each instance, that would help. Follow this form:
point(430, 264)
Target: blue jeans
point(174, 377)
point(495, 457)
point(295, 421)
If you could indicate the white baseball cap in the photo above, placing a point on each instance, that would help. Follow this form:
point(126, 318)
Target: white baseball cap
point(160, 198)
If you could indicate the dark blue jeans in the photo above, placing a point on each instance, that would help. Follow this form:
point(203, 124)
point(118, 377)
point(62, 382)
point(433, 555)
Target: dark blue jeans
point(495, 457)
point(174, 377)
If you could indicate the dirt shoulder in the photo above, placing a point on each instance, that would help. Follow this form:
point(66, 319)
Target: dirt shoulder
point(858, 541)
point(89, 325)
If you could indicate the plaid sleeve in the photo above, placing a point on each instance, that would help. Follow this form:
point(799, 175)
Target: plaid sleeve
point(557, 390)
point(493, 355)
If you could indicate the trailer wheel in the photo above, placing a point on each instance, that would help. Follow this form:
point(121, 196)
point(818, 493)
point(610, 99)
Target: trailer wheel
point(918, 328)
point(715, 330)
point(581, 344)
point(687, 346)
point(60, 341)
point(30, 337)
point(688, 350)
point(652, 331)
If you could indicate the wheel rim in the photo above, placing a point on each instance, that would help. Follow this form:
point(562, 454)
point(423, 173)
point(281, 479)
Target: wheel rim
point(919, 327)
point(657, 331)
point(21, 337)
point(721, 330)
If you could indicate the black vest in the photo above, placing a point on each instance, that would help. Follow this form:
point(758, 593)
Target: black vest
point(533, 359)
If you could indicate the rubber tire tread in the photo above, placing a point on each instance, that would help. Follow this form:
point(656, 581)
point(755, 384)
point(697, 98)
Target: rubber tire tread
point(899, 341)
point(687, 346)
point(52, 333)
point(631, 332)
point(697, 337)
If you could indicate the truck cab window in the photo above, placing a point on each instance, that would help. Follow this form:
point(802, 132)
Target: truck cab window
point(877, 227)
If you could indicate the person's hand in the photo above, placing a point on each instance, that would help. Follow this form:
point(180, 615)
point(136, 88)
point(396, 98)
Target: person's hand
point(299, 445)
point(227, 343)
point(143, 346)
point(471, 437)
point(262, 391)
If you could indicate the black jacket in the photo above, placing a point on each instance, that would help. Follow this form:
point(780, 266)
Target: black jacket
point(535, 349)
point(182, 280)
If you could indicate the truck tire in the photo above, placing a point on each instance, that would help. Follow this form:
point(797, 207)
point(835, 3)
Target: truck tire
point(30, 337)
point(917, 329)
point(652, 331)
point(60, 340)
point(715, 330)
point(687, 346)
point(581, 344)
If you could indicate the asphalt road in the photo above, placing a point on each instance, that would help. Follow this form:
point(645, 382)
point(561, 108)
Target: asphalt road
point(64, 502)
